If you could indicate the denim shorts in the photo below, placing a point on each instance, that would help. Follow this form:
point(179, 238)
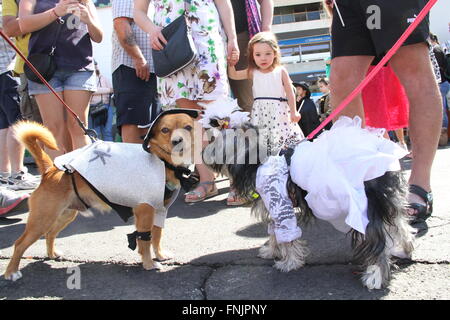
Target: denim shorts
point(64, 80)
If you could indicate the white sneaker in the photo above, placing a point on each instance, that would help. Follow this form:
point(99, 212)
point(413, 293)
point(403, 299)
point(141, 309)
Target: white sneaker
point(22, 180)
point(4, 180)
point(9, 200)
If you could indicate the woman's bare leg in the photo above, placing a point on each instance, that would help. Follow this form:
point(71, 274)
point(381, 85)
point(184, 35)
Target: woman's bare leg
point(78, 101)
point(52, 113)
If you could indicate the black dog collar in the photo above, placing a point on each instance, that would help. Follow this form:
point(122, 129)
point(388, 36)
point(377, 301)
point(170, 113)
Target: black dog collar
point(187, 180)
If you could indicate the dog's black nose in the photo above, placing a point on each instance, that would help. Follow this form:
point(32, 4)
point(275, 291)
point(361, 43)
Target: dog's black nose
point(177, 141)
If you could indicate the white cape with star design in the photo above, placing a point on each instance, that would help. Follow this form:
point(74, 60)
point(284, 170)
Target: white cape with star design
point(123, 172)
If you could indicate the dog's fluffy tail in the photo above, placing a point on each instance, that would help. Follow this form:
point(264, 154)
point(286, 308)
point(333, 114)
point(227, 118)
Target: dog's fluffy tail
point(29, 133)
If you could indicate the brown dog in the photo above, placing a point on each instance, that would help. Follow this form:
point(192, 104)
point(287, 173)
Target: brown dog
point(54, 204)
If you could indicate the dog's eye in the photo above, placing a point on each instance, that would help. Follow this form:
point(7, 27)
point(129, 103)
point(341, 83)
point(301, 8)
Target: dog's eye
point(188, 128)
point(165, 130)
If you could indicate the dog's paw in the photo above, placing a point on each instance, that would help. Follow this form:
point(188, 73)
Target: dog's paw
point(55, 255)
point(372, 277)
point(152, 265)
point(266, 252)
point(400, 253)
point(14, 276)
point(293, 255)
point(288, 265)
point(163, 255)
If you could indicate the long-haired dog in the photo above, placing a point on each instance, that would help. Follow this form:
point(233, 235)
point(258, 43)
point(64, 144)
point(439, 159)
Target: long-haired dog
point(232, 153)
point(60, 195)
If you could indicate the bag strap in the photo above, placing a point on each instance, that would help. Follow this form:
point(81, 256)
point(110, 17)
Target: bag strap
point(60, 21)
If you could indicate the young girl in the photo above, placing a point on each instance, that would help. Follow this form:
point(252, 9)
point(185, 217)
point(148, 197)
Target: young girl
point(274, 109)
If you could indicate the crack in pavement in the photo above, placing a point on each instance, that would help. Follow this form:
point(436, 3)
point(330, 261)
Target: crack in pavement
point(398, 264)
point(216, 265)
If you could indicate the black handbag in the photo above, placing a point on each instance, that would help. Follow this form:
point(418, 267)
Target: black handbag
point(44, 63)
point(180, 50)
point(98, 113)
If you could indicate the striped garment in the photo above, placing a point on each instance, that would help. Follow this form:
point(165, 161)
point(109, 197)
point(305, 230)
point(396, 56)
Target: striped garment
point(124, 8)
point(253, 19)
point(7, 54)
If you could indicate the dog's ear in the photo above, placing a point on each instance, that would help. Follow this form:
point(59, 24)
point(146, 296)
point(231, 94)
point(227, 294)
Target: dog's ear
point(193, 113)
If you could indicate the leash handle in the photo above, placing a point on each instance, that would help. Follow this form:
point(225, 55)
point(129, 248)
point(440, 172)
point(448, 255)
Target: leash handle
point(89, 132)
point(377, 68)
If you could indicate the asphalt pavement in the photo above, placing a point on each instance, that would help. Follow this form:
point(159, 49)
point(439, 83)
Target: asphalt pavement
point(215, 258)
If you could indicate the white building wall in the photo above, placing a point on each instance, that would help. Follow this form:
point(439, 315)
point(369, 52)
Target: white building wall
point(440, 20)
point(304, 25)
point(103, 50)
point(284, 3)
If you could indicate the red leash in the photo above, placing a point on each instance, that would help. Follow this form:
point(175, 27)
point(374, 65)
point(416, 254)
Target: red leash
point(377, 68)
point(89, 132)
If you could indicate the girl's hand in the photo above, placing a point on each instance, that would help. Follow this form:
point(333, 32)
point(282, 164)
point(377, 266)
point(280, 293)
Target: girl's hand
point(63, 6)
point(157, 40)
point(295, 116)
point(233, 60)
point(233, 52)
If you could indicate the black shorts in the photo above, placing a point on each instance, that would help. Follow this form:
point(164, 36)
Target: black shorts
point(135, 99)
point(9, 100)
point(356, 38)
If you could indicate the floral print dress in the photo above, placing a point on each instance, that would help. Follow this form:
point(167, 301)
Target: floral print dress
point(206, 78)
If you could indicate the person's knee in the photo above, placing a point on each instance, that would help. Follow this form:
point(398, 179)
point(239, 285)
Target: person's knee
point(54, 125)
point(132, 134)
point(347, 73)
point(73, 126)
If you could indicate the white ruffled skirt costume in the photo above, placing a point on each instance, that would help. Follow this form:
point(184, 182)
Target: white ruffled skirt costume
point(332, 169)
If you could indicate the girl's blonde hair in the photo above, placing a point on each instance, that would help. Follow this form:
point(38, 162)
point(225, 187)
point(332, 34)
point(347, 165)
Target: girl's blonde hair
point(267, 38)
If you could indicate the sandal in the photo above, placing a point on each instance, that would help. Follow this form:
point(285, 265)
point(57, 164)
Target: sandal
point(201, 195)
point(423, 210)
point(234, 200)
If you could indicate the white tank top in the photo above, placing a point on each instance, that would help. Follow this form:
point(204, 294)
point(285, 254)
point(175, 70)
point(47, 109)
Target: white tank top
point(268, 84)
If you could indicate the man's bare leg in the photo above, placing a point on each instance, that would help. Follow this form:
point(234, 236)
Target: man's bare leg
point(346, 74)
point(413, 67)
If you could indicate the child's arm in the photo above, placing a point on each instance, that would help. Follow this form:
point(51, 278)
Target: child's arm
point(237, 75)
point(288, 88)
point(232, 72)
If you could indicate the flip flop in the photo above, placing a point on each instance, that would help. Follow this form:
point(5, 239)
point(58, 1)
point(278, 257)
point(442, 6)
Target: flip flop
point(200, 196)
point(234, 200)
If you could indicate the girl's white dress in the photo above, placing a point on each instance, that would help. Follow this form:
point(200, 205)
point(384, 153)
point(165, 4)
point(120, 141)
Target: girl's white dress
point(273, 116)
